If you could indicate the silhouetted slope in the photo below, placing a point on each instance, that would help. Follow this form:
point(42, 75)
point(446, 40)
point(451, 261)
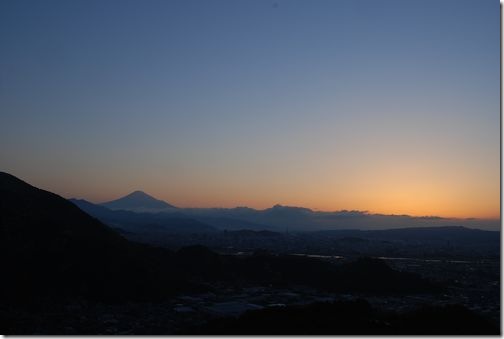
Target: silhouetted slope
point(137, 201)
point(33, 218)
point(50, 247)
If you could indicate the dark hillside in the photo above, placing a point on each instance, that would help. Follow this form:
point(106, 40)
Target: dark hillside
point(52, 248)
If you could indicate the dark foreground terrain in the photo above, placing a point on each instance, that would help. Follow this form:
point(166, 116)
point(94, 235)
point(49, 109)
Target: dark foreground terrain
point(352, 317)
point(68, 273)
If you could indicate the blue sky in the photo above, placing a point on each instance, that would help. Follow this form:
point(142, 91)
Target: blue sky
point(328, 104)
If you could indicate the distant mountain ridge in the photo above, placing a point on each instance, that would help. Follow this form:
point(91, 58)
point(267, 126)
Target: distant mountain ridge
point(141, 222)
point(281, 218)
point(138, 201)
point(292, 218)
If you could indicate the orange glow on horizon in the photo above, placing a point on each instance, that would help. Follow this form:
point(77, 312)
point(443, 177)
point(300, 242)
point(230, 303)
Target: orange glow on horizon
point(397, 182)
point(423, 203)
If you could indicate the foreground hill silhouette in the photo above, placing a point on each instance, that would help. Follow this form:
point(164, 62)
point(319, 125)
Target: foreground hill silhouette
point(50, 247)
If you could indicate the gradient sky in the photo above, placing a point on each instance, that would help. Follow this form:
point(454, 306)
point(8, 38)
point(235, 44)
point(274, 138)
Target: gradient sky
point(385, 106)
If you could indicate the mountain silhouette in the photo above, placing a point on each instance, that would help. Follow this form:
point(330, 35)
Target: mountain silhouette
point(138, 201)
point(278, 217)
point(143, 222)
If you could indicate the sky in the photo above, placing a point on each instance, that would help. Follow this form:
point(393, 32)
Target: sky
point(384, 106)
